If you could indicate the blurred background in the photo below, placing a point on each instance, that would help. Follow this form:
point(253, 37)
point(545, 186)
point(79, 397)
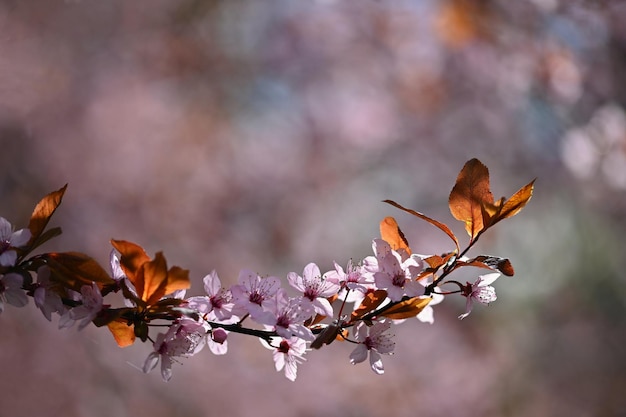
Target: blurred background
point(264, 135)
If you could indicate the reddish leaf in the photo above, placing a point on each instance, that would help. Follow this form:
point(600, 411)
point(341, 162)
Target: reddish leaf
point(371, 301)
point(390, 232)
point(123, 333)
point(406, 309)
point(75, 269)
point(469, 195)
point(435, 223)
point(43, 211)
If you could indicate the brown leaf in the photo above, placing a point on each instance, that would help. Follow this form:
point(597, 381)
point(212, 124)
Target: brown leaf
point(43, 211)
point(371, 301)
point(326, 336)
point(492, 262)
point(469, 195)
point(75, 269)
point(407, 308)
point(434, 222)
point(390, 232)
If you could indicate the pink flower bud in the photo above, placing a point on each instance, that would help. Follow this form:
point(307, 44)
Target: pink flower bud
point(219, 335)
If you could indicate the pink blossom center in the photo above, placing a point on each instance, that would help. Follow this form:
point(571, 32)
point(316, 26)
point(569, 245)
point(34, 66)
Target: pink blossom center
point(399, 280)
point(311, 293)
point(353, 276)
point(217, 301)
point(283, 321)
point(256, 298)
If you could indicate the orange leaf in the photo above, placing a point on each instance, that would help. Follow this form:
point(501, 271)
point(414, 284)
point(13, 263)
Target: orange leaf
point(177, 279)
point(391, 233)
point(123, 333)
point(43, 211)
point(406, 309)
point(370, 302)
point(152, 279)
point(132, 257)
point(517, 202)
point(469, 195)
point(434, 222)
point(75, 269)
point(435, 261)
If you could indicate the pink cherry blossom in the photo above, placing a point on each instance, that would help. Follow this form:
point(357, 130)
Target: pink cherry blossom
point(46, 299)
point(92, 303)
point(352, 278)
point(184, 338)
point(315, 289)
point(395, 274)
point(287, 355)
point(253, 294)
point(11, 291)
point(479, 291)
point(220, 299)
point(10, 239)
point(290, 314)
point(217, 305)
point(375, 341)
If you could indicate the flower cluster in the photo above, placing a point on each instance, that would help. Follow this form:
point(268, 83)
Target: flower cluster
point(358, 305)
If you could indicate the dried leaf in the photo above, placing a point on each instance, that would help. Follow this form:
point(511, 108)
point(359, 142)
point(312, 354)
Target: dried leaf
point(469, 195)
point(326, 336)
point(434, 222)
point(43, 211)
point(492, 262)
point(390, 232)
point(407, 308)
